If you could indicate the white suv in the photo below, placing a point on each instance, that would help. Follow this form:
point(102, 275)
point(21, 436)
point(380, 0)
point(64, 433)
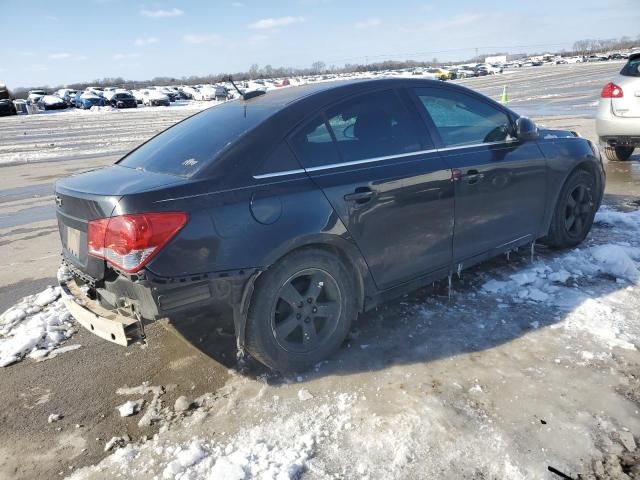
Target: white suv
point(618, 118)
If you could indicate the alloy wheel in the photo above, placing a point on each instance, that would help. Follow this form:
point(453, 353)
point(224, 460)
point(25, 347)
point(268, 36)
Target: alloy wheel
point(306, 311)
point(577, 210)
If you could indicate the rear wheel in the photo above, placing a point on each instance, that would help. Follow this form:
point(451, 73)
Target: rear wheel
point(574, 212)
point(301, 310)
point(618, 154)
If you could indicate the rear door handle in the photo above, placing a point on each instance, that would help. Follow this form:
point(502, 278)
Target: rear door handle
point(360, 196)
point(473, 176)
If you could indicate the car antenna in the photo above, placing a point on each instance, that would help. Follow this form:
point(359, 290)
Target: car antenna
point(248, 95)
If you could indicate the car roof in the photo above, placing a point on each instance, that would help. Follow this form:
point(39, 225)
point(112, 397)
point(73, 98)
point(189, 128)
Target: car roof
point(288, 95)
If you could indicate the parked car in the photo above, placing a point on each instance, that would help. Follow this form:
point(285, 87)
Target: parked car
point(439, 73)
point(68, 95)
point(51, 102)
point(618, 116)
point(180, 95)
point(466, 73)
point(35, 95)
point(123, 100)
point(297, 210)
point(99, 91)
point(221, 93)
point(7, 106)
point(190, 92)
point(88, 99)
point(154, 98)
point(205, 92)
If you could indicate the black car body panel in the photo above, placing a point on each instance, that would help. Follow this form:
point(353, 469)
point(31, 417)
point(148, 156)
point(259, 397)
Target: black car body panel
point(398, 220)
point(7, 108)
point(123, 100)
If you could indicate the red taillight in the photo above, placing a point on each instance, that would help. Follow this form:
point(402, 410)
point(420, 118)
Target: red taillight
point(611, 90)
point(130, 241)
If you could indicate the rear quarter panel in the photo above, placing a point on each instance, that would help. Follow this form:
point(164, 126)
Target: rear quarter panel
point(223, 234)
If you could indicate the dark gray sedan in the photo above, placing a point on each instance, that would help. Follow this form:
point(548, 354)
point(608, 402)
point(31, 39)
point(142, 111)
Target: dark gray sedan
point(296, 210)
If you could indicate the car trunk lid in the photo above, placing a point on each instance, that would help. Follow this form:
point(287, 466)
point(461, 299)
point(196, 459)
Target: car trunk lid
point(629, 105)
point(94, 195)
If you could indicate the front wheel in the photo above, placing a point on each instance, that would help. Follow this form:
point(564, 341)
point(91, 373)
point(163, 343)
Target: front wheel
point(618, 154)
point(574, 212)
point(301, 310)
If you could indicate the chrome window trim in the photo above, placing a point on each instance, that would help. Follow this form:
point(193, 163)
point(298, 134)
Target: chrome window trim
point(369, 160)
point(375, 159)
point(279, 174)
point(483, 144)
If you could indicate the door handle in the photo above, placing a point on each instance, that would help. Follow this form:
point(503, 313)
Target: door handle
point(473, 176)
point(360, 196)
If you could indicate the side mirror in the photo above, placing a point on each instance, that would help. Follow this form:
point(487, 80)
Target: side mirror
point(526, 129)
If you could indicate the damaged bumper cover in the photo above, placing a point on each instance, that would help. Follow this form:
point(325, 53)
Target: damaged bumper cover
point(117, 309)
point(110, 325)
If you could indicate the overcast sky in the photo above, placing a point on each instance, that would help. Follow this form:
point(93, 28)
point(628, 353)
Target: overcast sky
point(51, 43)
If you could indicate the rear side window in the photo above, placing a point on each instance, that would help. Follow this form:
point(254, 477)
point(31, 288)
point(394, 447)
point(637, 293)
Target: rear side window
point(373, 125)
point(632, 68)
point(314, 145)
point(463, 120)
point(189, 146)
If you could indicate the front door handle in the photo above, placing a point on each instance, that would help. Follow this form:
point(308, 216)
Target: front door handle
point(473, 176)
point(360, 196)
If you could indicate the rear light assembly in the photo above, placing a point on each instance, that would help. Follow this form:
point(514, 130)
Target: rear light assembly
point(611, 90)
point(130, 241)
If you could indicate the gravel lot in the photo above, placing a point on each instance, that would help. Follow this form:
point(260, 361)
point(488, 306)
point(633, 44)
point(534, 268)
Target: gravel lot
point(487, 384)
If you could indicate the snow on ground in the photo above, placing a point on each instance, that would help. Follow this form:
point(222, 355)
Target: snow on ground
point(552, 281)
point(35, 327)
point(531, 365)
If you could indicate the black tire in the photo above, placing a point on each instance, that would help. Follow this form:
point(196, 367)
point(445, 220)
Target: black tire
point(279, 331)
point(618, 154)
point(574, 211)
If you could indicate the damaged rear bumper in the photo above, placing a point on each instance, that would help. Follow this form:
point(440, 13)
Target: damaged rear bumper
point(111, 325)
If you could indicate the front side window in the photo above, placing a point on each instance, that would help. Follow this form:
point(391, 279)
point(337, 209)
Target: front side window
point(463, 120)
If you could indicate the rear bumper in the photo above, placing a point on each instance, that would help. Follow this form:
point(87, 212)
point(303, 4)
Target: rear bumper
point(614, 130)
point(110, 325)
point(108, 310)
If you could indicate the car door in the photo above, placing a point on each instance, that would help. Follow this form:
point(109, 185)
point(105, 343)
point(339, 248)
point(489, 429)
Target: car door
point(385, 180)
point(500, 182)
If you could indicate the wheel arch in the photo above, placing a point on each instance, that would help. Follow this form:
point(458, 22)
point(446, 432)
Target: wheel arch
point(347, 251)
point(337, 245)
point(586, 165)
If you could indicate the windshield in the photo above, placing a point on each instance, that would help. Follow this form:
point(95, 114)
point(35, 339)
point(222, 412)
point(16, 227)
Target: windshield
point(187, 147)
point(632, 68)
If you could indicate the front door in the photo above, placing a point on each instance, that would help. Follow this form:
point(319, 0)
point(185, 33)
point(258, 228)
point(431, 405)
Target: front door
point(388, 185)
point(500, 182)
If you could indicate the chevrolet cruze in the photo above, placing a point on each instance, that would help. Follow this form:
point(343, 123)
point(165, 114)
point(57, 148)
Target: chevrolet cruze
point(296, 210)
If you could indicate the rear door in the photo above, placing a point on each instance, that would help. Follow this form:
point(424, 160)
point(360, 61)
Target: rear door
point(386, 182)
point(500, 187)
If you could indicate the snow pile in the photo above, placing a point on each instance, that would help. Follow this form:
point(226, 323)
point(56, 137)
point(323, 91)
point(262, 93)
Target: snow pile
point(34, 327)
point(105, 109)
point(276, 449)
point(560, 280)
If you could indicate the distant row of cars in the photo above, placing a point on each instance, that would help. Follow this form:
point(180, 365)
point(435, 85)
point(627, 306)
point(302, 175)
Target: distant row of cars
point(123, 98)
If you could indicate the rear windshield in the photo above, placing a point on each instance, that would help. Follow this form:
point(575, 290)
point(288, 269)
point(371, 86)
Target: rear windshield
point(189, 146)
point(632, 68)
